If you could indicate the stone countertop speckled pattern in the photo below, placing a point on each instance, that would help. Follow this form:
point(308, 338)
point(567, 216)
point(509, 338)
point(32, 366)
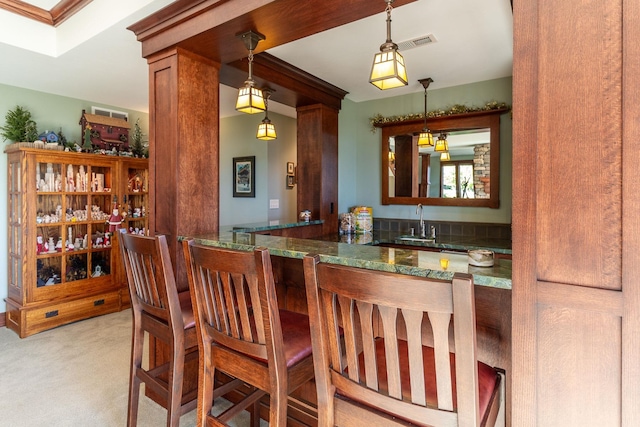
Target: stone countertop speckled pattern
point(271, 225)
point(405, 261)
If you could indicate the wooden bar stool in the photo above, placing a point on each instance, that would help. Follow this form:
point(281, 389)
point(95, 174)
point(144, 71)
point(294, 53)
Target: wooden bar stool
point(243, 334)
point(380, 372)
point(163, 313)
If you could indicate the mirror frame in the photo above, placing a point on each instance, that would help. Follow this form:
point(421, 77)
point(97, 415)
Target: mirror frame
point(476, 120)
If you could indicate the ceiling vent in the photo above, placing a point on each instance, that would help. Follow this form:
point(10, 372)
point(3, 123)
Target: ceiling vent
point(417, 42)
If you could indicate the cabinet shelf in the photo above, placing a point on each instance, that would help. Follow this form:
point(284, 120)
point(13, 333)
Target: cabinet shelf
point(42, 282)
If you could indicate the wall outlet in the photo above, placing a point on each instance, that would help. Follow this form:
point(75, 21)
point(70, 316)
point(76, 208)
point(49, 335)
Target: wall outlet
point(274, 203)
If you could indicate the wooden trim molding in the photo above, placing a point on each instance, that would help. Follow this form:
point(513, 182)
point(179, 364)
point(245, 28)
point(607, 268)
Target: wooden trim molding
point(56, 16)
point(3, 321)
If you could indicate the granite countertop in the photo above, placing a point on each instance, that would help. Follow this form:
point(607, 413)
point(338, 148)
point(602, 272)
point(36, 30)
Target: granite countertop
point(270, 225)
point(405, 261)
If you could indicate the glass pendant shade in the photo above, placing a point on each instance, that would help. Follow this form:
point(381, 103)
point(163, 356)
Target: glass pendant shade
point(266, 130)
point(250, 99)
point(441, 144)
point(445, 156)
point(388, 70)
point(425, 139)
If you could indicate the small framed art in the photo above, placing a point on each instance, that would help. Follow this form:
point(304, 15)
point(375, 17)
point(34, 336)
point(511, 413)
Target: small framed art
point(244, 176)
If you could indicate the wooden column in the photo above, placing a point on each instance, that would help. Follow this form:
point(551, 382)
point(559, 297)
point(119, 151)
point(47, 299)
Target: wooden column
point(318, 164)
point(576, 233)
point(183, 149)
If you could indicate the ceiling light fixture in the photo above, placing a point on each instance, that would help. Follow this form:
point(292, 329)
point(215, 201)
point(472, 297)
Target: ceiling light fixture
point(266, 129)
point(250, 99)
point(388, 70)
point(445, 156)
point(441, 144)
point(426, 137)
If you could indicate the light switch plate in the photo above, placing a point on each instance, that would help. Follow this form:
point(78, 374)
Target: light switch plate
point(274, 203)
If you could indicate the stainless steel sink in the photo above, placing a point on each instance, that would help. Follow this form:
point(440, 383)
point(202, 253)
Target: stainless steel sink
point(417, 239)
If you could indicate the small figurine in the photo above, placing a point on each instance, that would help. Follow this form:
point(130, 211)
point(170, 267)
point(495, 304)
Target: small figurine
point(116, 218)
point(40, 244)
point(107, 240)
point(97, 272)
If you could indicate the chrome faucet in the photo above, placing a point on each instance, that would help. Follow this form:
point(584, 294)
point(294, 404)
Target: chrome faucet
point(423, 232)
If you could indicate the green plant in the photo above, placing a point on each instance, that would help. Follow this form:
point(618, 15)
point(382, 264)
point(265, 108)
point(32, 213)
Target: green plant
point(19, 126)
point(137, 146)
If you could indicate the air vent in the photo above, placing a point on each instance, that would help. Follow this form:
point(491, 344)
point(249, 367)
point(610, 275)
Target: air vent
point(417, 42)
point(110, 113)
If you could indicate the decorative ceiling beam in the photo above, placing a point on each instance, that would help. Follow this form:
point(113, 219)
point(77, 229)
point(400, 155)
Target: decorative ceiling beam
point(293, 86)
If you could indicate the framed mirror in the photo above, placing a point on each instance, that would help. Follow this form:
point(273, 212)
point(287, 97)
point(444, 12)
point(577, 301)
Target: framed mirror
point(412, 174)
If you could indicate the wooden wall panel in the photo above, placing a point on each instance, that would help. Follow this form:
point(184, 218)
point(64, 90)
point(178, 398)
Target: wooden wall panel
point(576, 294)
point(579, 143)
point(574, 367)
point(162, 160)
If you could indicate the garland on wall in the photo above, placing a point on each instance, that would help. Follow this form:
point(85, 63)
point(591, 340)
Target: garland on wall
point(379, 119)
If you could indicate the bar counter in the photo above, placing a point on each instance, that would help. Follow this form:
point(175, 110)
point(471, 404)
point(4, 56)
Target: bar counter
point(370, 256)
point(492, 290)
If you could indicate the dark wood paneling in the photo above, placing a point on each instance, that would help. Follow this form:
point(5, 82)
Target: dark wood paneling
point(588, 252)
point(209, 27)
point(293, 86)
point(318, 164)
point(576, 300)
point(184, 171)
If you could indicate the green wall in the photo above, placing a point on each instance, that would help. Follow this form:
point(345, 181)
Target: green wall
point(359, 151)
point(238, 139)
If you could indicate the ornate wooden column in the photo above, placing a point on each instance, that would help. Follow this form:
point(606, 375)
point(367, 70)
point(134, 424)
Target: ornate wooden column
point(184, 149)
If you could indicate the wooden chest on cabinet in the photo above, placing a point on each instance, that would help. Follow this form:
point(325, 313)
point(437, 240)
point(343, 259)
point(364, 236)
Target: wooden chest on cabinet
point(64, 260)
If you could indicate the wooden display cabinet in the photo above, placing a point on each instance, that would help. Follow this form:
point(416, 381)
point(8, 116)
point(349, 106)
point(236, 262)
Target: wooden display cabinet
point(64, 262)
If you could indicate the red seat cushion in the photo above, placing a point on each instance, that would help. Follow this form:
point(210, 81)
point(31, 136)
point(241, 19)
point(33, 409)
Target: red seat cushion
point(296, 336)
point(487, 376)
point(187, 310)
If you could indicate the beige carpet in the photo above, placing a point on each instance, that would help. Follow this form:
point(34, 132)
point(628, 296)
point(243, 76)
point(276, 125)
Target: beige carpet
point(74, 375)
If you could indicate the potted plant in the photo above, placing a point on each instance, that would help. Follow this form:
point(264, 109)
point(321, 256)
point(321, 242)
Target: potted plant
point(137, 145)
point(19, 126)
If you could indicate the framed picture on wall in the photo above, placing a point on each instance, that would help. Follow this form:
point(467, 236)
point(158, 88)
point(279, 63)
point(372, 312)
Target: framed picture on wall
point(290, 181)
point(290, 168)
point(244, 176)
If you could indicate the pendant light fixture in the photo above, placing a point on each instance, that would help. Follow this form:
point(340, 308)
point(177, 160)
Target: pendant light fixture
point(426, 137)
point(250, 98)
point(266, 129)
point(388, 70)
point(441, 144)
point(445, 156)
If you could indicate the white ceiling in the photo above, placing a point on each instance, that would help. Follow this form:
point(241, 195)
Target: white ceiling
point(93, 56)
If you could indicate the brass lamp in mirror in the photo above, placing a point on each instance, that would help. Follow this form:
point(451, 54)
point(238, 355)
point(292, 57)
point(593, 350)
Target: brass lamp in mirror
point(419, 174)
